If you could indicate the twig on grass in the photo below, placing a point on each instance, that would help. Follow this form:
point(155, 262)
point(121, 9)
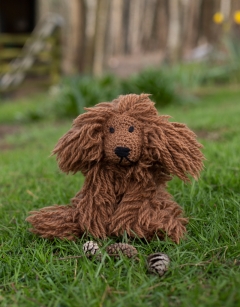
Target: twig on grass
point(89, 256)
point(105, 293)
point(32, 194)
point(72, 257)
point(13, 287)
point(118, 292)
point(155, 286)
point(34, 301)
point(234, 168)
point(214, 249)
point(202, 263)
point(75, 270)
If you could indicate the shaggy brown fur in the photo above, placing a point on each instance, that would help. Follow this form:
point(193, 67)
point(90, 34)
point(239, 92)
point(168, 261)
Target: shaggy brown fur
point(127, 153)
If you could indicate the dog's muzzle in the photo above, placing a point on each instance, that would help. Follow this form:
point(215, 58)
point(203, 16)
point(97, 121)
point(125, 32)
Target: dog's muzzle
point(122, 152)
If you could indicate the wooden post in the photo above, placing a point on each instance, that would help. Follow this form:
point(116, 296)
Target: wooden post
point(173, 41)
point(99, 48)
point(56, 58)
point(115, 45)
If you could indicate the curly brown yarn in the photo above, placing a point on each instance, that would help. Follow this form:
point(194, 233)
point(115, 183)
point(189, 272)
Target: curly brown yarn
point(127, 153)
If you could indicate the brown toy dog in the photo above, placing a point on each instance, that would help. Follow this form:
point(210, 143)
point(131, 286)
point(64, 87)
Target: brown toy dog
point(127, 152)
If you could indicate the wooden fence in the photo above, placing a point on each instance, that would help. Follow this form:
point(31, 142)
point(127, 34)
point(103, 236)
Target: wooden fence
point(114, 28)
point(99, 35)
point(24, 55)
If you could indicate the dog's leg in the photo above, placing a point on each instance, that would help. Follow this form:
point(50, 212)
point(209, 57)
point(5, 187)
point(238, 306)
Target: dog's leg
point(55, 221)
point(89, 212)
point(69, 222)
point(168, 219)
point(170, 214)
point(145, 216)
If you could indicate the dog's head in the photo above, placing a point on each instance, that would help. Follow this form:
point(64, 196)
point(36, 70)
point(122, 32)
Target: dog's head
point(123, 140)
point(128, 131)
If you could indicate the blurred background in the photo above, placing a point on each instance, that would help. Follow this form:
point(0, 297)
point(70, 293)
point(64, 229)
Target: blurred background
point(85, 51)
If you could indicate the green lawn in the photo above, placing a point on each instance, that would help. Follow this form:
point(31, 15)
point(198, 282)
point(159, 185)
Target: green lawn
point(205, 267)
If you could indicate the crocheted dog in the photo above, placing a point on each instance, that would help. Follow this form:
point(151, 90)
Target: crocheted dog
point(127, 152)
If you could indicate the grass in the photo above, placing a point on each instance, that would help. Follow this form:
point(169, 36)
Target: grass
point(205, 267)
point(23, 108)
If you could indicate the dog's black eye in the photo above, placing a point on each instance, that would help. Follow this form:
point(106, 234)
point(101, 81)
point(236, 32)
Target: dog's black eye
point(111, 129)
point(131, 128)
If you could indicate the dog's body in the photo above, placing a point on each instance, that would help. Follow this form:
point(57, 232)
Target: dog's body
point(127, 153)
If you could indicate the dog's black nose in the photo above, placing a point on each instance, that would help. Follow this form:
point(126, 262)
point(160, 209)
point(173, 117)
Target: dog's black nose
point(122, 152)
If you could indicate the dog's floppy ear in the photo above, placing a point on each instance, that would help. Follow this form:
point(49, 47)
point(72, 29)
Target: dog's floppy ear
point(175, 146)
point(81, 146)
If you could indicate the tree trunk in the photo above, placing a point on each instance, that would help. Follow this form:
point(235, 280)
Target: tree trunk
point(192, 22)
point(90, 16)
point(148, 19)
point(208, 8)
point(100, 30)
point(135, 25)
point(115, 31)
point(174, 31)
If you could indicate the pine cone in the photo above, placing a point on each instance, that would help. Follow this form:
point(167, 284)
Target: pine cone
point(91, 248)
point(124, 248)
point(158, 263)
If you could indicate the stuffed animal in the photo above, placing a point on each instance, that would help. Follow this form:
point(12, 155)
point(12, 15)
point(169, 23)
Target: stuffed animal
point(127, 153)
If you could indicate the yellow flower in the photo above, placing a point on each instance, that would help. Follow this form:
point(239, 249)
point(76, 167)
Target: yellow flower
point(237, 17)
point(218, 17)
